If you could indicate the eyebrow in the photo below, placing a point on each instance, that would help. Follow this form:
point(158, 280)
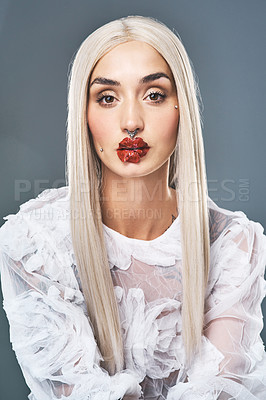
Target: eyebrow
point(148, 78)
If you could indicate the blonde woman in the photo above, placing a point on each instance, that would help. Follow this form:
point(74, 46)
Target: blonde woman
point(130, 282)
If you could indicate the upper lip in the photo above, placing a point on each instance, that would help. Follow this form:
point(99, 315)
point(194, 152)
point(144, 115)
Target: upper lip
point(128, 143)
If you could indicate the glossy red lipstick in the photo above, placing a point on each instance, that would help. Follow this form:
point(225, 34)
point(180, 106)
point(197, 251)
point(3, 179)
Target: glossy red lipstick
point(130, 150)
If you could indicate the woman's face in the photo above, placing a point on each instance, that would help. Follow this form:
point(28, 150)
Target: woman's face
point(131, 88)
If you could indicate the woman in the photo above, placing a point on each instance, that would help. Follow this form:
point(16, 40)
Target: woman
point(130, 282)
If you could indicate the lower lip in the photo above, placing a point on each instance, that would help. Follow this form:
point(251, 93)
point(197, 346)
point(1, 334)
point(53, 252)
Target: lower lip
point(132, 156)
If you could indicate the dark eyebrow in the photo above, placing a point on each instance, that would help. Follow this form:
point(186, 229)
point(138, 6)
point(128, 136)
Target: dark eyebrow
point(148, 78)
point(153, 77)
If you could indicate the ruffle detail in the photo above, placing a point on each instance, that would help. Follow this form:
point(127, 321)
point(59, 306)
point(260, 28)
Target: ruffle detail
point(205, 363)
point(151, 334)
point(54, 343)
point(239, 264)
point(45, 307)
point(38, 238)
point(51, 196)
point(165, 250)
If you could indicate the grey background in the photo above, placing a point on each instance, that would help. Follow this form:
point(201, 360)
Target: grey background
point(224, 39)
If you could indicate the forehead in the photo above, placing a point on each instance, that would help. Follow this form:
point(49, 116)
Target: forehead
point(133, 57)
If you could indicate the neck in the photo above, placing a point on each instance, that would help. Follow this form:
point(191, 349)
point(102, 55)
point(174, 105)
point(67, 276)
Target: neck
point(140, 207)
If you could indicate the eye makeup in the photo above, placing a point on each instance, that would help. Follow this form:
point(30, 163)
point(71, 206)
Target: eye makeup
point(105, 95)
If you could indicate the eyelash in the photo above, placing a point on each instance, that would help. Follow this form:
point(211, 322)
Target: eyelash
point(102, 96)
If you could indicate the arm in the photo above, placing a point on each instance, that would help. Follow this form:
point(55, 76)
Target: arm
point(49, 329)
point(233, 362)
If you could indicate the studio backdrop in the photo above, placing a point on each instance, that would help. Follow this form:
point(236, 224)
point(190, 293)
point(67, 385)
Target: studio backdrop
point(225, 41)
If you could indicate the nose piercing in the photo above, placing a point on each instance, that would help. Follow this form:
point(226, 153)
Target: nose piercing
point(132, 134)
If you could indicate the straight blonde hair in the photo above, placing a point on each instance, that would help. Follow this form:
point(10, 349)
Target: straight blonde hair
point(187, 175)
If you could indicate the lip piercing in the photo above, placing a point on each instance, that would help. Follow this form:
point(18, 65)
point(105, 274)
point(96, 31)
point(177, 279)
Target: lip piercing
point(132, 134)
point(176, 106)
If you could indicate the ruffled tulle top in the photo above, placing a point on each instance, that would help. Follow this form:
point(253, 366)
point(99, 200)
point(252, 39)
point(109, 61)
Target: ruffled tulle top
point(52, 336)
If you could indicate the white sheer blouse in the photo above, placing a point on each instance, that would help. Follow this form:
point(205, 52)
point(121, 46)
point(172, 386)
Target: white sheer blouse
point(52, 336)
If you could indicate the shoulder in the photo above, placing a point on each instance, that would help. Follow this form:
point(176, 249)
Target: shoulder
point(54, 197)
point(233, 230)
point(221, 219)
point(223, 222)
point(34, 209)
point(238, 248)
point(36, 245)
point(38, 219)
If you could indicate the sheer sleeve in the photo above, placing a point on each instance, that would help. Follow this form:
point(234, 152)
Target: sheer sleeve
point(232, 364)
point(49, 327)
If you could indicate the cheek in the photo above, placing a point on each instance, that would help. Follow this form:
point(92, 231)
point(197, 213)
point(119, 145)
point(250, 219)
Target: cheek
point(98, 125)
point(170, 126)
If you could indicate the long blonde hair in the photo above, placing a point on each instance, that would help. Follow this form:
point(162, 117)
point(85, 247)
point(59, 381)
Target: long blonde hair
point(186, 174)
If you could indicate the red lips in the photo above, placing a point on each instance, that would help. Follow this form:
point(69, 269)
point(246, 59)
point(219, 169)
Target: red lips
point(132, 150)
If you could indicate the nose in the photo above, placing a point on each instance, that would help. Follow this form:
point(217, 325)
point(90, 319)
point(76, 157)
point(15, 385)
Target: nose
point(132, 119)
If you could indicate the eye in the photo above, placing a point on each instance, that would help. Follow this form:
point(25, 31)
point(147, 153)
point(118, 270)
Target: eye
point(105, 100)
point(156, 96)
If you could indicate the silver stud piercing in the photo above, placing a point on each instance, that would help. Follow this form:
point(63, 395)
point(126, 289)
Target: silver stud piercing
point(101, 149)
point(176, 106)
point(132, 134)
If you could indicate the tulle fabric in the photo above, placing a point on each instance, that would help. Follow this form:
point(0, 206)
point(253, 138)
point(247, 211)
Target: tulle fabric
point(52, 335)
